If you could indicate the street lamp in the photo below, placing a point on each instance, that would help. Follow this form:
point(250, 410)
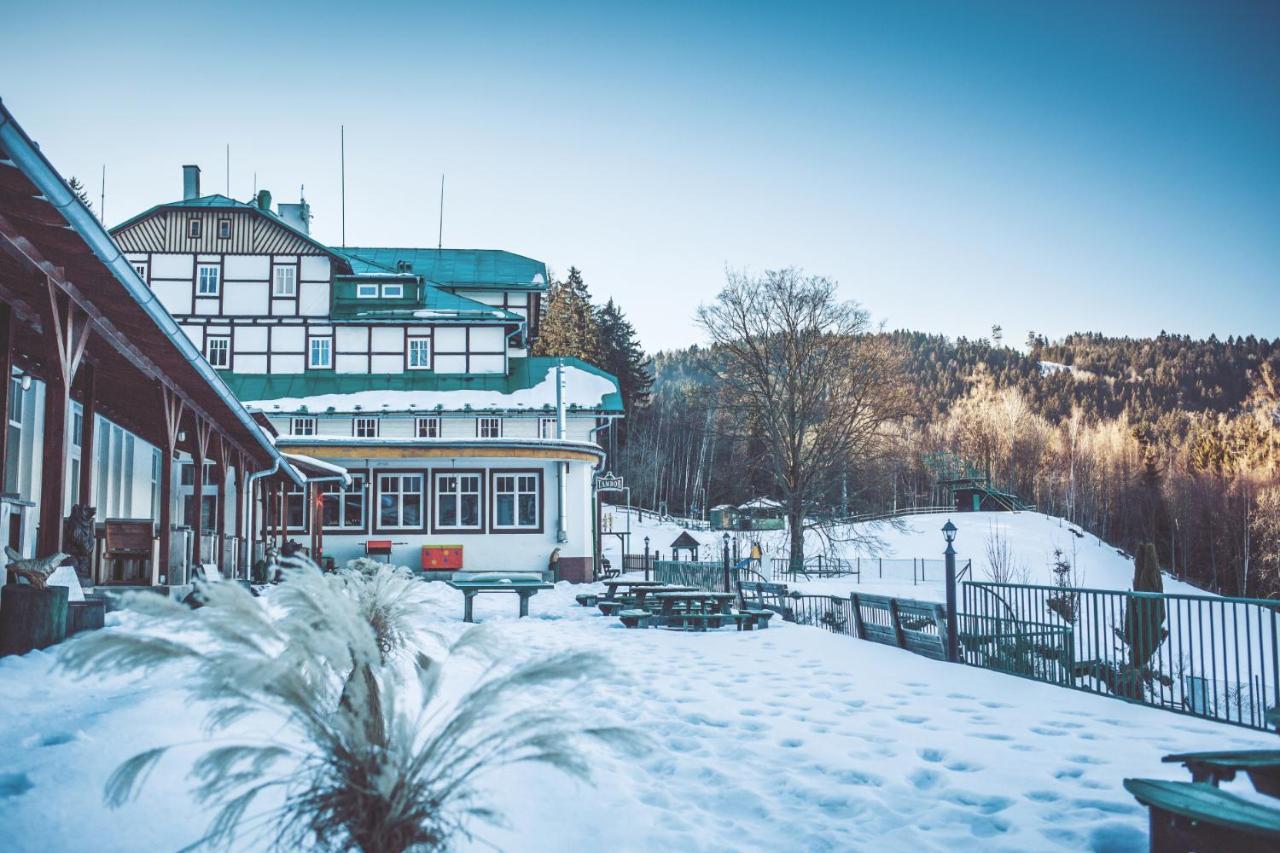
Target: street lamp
point(646, 558)
point(728, 585)
point(953, 637)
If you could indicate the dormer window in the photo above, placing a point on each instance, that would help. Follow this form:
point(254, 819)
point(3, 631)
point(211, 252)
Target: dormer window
point(366, 291)
point(224, 229)
point(193, 229)
point(392, 291)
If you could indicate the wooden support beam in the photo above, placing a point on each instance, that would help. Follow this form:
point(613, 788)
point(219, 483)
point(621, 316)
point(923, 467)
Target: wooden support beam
point(200, 453)
point(88, 436)
point(71, 334)
point(6, 371)
point(173, 407)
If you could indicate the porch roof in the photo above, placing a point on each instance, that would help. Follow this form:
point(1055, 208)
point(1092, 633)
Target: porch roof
point(48, 235)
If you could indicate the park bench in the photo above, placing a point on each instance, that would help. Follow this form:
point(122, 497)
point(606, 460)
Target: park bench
point(1194, 816)
point(749, 620)
point(918, 626)
point(759, 595)
point(635, 618)
point(611, 608)
point(587, 599)
point(129, 550)
point(1262, 766)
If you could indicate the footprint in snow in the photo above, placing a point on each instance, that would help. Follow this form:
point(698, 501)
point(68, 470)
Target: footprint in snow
point(990, 736)
point(14, 785)
point(913, 719)
point(1086, 759)
point(960, 696)
point(934, 755)
point(1068, 773)
point(993, 704)
point(791, 742)
point(1043, 796)
point(924, 779)
point(963, 767)
point(1041, 730)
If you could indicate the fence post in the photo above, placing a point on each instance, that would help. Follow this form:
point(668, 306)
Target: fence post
point(646, 558)
point(728, 587)
point(953, 617)
point(897, 626)
point(859, 630)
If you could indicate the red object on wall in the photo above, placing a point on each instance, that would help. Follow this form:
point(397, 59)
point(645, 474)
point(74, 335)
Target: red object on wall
point(441, 558)
point(377, 548)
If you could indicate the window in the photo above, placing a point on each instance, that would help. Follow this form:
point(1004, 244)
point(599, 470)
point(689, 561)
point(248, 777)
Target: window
point(419, 353)
point(141, 269)
point(187, 476)
point(207, 279)
point(193, 229)
point(548, 428)
point(295, 509)
point(218, 351)
point(224, 229)
point(366, 291)
point(343, 509)
point(321, 353)
point(399, 500)
point(489, 427)
point(392, 291)
point(365, 428)
point(302, 426)
point(457, 501)
point(426, 427)
point(517, 498)
point(285, 282)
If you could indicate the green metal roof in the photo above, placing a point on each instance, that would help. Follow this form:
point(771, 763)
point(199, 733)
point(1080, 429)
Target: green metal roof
point(453, 267)
point(526, 373)
point(436, 305)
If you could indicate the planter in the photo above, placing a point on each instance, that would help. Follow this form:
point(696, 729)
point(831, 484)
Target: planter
point(32, 618)
point(87, 615)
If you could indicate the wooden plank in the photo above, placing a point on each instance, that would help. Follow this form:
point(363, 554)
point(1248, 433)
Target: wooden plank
point(859, 629)
point(897, 626)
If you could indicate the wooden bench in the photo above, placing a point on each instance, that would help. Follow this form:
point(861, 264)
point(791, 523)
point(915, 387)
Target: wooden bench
point(749, 620)
point(1261, 765)
point(759, 596)
point(1197, 816)
point(587, 599)
point(635, 618)
point(917, 626)
point(129, 550)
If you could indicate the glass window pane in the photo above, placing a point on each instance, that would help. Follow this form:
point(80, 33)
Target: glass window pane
point(506, 510)
point(529, 510)
point(412, 510)
point(470, 510)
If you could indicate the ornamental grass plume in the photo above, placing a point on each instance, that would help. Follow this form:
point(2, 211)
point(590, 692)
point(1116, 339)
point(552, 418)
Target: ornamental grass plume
point(374, 755)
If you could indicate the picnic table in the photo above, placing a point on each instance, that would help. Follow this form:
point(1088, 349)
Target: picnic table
point(694, 601)
point(1262, 766)
point(526, 588)
point(636, 599)
point(615, 585)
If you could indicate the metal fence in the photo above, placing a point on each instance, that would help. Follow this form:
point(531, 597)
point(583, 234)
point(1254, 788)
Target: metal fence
point(920, 570)
point(1207, 656)
point(708, 576)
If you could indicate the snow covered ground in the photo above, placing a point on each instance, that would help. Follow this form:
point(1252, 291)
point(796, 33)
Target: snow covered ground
point(785, 739)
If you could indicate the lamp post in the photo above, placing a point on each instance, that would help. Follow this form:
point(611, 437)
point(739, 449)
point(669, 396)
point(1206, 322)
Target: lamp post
point(728, 586)
point(953, 638)
point(646, 558)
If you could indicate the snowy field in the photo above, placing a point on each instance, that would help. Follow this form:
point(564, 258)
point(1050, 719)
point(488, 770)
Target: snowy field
point(785, 739)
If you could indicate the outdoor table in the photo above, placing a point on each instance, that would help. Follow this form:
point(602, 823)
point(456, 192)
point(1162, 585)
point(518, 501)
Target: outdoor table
point(526, 588)
point(1261, 765)
point(615, 585)
point(699, 600)
point(642, 592)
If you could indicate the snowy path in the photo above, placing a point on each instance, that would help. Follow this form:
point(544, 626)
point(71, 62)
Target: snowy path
point(787, 739)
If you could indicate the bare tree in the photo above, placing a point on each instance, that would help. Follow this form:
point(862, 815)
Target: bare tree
point(801, 367)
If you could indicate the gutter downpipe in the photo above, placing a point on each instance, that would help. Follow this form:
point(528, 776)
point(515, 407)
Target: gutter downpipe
point(24, 152)
point(562, 468)
point(247, 509)
point(595, 498)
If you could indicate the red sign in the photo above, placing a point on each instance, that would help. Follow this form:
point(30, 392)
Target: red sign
point(438, 558)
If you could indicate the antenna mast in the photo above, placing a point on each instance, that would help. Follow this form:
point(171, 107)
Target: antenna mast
point(228, 170)
point(102, 198)
point(440, 233)
point(342, 147)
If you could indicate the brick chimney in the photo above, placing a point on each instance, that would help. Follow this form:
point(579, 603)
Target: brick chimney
point(190, 182)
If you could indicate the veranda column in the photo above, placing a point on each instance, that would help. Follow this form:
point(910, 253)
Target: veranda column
point(201, 454)
point(6, 371)
point(88, 434)
point(70, 333)
point(173, 407)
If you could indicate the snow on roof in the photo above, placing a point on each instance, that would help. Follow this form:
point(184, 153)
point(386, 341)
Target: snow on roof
point(320, 465)
point(531, 385)
point(761, 503)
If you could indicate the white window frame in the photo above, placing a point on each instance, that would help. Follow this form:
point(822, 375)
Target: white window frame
point(482, 423)
point(201, 280)
point(194, 229)
point(225, 362)
point(302, 426)
point(341, 495)
point(327, 349)
point(456, 496)
point(224, 224)
point(422, 426)
point(392, 291)
point(140, 267)
point(366, 291)
point(424, 349)
point(359, 425)
point(400, 479)
point(548, 427)
point(517, 488)
point(286, 276)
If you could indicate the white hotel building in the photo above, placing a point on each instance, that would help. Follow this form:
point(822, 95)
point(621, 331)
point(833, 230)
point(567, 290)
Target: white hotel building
point(410, 368)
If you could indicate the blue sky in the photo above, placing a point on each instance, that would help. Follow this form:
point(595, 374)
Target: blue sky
point(1050, 167)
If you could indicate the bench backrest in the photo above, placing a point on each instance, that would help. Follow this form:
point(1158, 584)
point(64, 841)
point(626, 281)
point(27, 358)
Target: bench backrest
point(770, 596)
point(129, 536)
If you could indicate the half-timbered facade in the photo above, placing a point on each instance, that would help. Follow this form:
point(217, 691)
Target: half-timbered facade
point(409, 367)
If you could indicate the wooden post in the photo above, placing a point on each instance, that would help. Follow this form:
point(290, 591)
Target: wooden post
point(71, 333)
point(224, 501)
point(282, 495)
point(88, 434)
point(897, 625)
point(203, 432)
point(859, 629)
point(6, 372)
point(244, 501)
point(173, 407)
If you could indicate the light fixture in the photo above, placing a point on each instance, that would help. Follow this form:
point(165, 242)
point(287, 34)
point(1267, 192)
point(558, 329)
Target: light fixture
point(949, 531)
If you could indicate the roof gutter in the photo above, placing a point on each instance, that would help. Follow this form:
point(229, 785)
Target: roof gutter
point(41, 173)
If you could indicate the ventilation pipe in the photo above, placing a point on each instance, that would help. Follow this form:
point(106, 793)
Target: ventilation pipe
point(190, 182)
point(562, 468)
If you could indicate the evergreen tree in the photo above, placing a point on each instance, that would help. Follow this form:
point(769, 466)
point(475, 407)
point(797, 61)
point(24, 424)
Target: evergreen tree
point(569, 326)
point(622, 355)
point(73, 184)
